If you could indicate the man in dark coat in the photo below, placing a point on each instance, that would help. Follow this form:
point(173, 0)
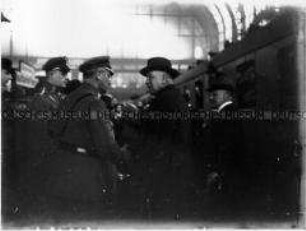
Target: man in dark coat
point(13, 139)
point(56, 72)
point(165, 155)
point(37, 143)
point(225, 137)
point(166, 98)
point(7, 133)
point(85, 166)
point(45, 103)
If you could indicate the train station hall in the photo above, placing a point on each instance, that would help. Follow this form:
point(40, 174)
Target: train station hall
point(153, 114)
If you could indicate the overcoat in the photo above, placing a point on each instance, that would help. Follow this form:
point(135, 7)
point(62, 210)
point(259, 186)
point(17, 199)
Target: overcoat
point(81, 168)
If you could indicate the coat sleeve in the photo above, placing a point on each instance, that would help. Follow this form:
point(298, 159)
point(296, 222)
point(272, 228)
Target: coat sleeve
point(102, 134)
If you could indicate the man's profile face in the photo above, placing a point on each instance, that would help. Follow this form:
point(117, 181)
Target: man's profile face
point(57, 78)
point(155, 80)
point(218, 97)
point(104, 78)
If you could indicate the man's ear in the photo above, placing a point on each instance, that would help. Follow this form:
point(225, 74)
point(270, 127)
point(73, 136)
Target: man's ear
point(50, 74)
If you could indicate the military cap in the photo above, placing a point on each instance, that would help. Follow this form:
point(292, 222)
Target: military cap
point(6, 64)
point(58, 63)
point(222, 83)
point(93, 63)
point(159, 64)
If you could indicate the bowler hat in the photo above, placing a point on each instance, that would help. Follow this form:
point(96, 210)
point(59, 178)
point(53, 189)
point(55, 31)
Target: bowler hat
point(6, 64)
point(57, 63)
point(222, 83)
point(220, 86)
point(93, 63)
point(159, 64)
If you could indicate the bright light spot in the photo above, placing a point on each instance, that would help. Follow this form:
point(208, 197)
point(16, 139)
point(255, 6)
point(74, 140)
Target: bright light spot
point(198, 53)
point(69, 76)
point(87, 28)
point(119, 81)
point(40, 73)
point(263, 23)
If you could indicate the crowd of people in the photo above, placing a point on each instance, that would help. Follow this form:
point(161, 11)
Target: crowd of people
point(62, 163)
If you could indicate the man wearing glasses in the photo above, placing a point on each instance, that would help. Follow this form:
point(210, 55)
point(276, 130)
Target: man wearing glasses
point(88, 158)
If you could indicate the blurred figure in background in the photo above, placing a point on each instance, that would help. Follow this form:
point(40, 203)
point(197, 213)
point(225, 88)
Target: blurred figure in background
point(118, 124)
point(40, 87)
point(12, 138)
point(227, 168)
point(7, 133)
point(7, 72)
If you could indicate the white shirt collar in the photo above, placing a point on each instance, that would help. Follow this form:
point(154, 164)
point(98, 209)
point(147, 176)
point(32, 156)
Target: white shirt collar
point(224, 105)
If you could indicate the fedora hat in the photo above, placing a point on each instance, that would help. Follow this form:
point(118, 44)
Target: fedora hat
point(159, 64)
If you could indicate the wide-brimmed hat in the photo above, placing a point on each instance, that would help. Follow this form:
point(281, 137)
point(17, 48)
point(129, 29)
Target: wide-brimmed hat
point(159, 64)
point(93, 63)
point(56, 63)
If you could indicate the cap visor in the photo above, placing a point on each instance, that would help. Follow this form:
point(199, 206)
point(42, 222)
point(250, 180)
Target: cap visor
point(109, 70)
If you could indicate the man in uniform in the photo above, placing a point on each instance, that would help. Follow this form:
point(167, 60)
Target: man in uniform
point(88, 159)
point(8, 138)
point(7, 123)
point(44, 104)
point(37, 142)
point(56, 72)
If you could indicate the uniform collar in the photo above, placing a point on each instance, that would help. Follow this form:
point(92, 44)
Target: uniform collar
point(88, 88)
point(222, 106)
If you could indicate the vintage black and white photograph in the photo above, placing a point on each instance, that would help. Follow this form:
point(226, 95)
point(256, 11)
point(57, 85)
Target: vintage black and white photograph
point(153, 114)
